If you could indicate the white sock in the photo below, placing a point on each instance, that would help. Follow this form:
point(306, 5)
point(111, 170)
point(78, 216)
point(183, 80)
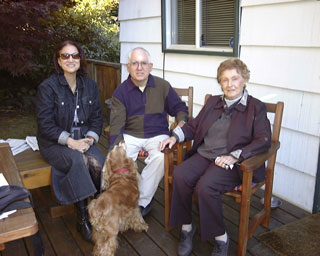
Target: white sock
point(187, 227)
point(222, 238)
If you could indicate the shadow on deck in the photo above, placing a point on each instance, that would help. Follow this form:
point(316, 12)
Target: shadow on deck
point(61, 238)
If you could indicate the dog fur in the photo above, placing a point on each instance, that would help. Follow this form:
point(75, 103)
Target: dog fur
point(116, 209)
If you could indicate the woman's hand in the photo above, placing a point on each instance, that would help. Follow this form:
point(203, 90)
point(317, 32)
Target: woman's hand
point(81, 145)
point(90, 140)
point(170, 141)
point(225, 161)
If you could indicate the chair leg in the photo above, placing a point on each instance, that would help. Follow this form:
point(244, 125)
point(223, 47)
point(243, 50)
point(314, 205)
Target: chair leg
point(268, 191)
point(167, 209)
point(167, 190)
point(167, 204)
point(244, 214)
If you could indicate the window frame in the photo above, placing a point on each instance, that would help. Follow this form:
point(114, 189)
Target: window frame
point(196, 49)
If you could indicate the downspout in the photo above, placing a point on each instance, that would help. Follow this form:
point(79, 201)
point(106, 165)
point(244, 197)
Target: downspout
point(316, 200)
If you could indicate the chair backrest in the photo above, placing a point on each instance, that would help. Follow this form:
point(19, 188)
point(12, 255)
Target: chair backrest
point(188, 94)
point(277, 109)
point(185, 94)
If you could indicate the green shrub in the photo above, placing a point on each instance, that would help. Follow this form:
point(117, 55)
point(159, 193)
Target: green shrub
point(34, 28)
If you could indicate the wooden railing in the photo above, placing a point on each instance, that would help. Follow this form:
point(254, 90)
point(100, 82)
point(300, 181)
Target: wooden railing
point(107, 76)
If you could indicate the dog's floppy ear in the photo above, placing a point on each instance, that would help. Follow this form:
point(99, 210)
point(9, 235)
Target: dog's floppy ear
point(106, 173)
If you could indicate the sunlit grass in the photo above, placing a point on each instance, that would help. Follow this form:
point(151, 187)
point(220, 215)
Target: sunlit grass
point(17, 124)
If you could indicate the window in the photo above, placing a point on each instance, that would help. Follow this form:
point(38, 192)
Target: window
point(200, 26)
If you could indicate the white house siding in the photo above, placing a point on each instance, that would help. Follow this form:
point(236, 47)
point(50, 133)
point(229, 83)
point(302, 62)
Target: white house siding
point(280, 42)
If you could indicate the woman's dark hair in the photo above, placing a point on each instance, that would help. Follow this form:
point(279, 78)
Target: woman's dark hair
point(83, 62)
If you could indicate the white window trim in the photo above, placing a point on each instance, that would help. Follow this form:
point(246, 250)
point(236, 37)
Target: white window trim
point(168, 46)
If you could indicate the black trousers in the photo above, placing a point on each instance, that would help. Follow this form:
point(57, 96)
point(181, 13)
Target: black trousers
point(201, 176)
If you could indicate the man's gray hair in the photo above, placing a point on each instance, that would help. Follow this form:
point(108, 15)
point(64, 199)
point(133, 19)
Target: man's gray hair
point(142, 49)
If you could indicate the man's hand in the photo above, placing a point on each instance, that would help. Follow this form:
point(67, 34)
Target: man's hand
point(170, 142)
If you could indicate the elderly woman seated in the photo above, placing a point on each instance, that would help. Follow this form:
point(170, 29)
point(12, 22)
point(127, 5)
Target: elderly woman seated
point(230, 128)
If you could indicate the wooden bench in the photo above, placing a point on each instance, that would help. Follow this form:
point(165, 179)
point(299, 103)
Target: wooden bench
point(22, 223)
point(35, 173)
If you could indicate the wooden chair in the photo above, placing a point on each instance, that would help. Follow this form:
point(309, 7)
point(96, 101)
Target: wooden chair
point(246, 228)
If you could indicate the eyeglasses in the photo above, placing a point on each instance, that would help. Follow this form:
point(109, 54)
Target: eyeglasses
point(136, 64)
point(66, 56)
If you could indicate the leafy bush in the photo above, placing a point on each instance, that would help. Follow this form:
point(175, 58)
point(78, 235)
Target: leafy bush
point(30, 30)
point(93, 24)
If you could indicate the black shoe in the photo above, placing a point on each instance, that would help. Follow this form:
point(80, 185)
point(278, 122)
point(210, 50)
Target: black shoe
point(146, 210)
point(221, 248)
point(83, 223)
point(185, 244)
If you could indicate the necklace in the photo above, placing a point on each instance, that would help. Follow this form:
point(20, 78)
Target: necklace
point(73, 88)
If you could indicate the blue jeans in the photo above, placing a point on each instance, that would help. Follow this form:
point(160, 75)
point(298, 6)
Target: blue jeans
point(71, 180)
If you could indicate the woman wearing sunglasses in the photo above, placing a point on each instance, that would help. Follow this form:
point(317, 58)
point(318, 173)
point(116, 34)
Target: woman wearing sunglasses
point(69, 125)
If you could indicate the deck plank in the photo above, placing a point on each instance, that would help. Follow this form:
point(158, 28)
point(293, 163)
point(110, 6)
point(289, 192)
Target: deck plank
point(142, 243)
point(59, 235)
point(61, 238)
point(163, 239)
point(16, 247)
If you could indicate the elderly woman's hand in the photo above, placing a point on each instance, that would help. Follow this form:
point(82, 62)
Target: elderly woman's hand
point(170, 142)
point(81, 145)
point(225, 161)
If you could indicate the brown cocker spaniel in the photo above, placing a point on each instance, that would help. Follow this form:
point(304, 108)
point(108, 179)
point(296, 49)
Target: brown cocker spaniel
point(116, 209)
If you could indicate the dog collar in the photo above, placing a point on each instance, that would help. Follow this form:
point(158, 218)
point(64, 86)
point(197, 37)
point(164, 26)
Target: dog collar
point(122, 170)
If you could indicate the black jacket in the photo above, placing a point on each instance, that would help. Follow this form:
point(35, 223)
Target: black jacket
point(56, 106)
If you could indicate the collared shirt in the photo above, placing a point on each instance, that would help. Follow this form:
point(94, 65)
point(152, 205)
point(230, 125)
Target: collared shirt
point(243, 100)
point(143, 114)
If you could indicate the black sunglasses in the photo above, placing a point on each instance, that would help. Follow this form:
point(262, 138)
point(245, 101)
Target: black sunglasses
point(66, 56)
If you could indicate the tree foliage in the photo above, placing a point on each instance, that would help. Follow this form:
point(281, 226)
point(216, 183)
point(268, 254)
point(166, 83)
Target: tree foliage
point(92, 23)
point(22, 32)
point(30, 30)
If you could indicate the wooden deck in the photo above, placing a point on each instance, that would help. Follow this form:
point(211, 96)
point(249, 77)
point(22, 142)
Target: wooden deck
point(61, 238)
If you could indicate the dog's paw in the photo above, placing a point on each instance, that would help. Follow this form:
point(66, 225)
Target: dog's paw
point(145, 227)
point(140, 227)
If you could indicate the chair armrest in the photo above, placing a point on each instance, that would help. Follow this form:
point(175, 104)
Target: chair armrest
point(175, 147)
point(174, 156)
point(256, 161)
point(168, 150)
